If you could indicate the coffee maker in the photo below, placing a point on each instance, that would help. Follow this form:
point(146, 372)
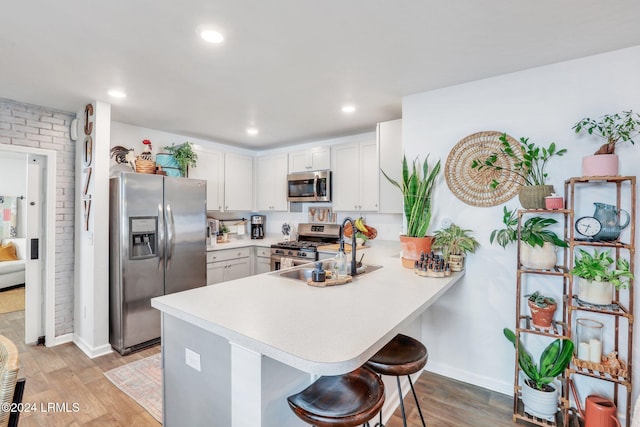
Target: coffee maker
point(257, 226)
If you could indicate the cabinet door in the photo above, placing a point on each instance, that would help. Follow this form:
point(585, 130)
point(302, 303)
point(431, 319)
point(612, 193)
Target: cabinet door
point(299, 161)
point(320, 158)
point(238, 182)
point(210, 167)
point(271, 183)
point(317, 158)
point(215, 272)
point(263, 265)
point(237, 269)
point(390, 147)
point(369, 176)
point(346, 176)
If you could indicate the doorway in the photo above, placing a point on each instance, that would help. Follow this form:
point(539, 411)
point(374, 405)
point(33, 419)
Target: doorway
point(36, 218)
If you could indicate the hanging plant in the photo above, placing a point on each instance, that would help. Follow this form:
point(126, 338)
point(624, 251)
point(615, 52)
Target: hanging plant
point(184, 155)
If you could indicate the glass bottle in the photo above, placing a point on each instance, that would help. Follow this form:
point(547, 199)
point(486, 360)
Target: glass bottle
point(341, 264)
point(589, 335)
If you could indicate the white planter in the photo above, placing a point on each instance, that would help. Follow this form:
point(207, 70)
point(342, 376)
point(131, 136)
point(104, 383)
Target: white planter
point(543, 258)
point(600, 165)
point(541, 404)
point(595, 292)
point(456, 262)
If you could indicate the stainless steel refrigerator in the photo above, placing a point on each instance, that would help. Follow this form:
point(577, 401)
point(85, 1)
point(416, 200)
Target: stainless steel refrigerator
point(157, 242)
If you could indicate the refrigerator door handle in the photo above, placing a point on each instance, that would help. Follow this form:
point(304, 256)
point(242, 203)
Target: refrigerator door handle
point(161, 237)
point(171, 234)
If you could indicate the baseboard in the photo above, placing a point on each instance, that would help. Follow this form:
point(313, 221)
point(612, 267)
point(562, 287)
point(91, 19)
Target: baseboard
point(91, 352)
point(60, 339)
point(471, 378)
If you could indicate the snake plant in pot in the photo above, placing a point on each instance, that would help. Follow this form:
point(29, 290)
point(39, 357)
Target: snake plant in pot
point(417, 187)
point(539, 395)
point(537, 243)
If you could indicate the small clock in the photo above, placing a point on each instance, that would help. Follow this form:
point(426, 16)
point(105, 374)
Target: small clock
point(588, 226)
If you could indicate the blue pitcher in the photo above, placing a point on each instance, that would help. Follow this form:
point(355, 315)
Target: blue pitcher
point(609, 217)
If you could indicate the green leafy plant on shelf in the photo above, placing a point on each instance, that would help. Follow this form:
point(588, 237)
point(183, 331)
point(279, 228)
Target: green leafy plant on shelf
point(454, 240)
point(614, 128)
point(553, 360)
point(533, 232)
point(529, 162)
point(184, 155)
point(597, 268)
point(417, 192)
point(541, 300)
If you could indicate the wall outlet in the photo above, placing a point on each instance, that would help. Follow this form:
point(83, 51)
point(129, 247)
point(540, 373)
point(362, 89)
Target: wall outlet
point(192, 359)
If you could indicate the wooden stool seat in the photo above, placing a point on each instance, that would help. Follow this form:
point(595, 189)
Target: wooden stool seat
point(403, 355)
point(341, 400)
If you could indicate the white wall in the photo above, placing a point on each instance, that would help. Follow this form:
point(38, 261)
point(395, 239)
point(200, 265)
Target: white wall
point(464, 328)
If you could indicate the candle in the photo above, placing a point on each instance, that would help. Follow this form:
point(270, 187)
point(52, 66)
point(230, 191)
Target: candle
point(595, 350)
point(583, 351)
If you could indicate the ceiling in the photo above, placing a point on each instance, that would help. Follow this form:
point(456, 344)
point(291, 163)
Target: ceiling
point(285, 66)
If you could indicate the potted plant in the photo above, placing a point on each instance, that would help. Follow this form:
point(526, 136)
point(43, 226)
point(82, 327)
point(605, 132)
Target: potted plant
point(529, 164)
point(224, 231)
point(539, 395)
point(542, 309)
point(597, 278)
point(454, 242)
point(537, 243)
point(417, 192)
point(614, 128)
point(184, 156)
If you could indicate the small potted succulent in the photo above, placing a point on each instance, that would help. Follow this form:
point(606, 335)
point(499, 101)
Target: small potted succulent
point(613, 128)
point(539, 394)
point(537, 243)
point(529, 164)
point(598, 274)
point(454, 242)
point(542, 309)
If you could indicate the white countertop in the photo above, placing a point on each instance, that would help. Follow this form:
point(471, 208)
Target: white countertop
point(245, 241)
point(324, 331)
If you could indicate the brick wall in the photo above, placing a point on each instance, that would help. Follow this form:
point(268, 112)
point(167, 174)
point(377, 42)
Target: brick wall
point(34, 126)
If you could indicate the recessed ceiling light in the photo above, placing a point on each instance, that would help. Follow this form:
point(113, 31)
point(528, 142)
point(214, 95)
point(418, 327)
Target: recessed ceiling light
point(211, 36)
point(252, 131)
point(348, 109)
point(117, 93)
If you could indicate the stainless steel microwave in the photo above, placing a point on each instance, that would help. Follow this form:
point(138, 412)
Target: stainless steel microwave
point(309, 186)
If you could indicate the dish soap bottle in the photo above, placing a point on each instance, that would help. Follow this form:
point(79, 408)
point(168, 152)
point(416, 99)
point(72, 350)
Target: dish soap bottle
point(341, 263)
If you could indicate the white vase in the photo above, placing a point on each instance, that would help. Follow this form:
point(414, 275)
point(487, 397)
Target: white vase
point(456, 262)
point(542, 258)
point(595, 292)
point(541, 404)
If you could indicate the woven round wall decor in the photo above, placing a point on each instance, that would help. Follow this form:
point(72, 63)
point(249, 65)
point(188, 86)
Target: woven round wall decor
point(474, 187)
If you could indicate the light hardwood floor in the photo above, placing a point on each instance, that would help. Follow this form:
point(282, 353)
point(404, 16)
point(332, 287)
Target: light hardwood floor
point(63, 374)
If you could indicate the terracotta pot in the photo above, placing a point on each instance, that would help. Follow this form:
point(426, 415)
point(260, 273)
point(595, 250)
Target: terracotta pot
point(600, 165)
point(532, 196)
point(412, 247)
point(456, 262)
point(542, 317)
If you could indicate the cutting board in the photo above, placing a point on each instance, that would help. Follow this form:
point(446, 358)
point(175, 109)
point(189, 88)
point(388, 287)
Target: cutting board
point(334, 248)
point(330, 282)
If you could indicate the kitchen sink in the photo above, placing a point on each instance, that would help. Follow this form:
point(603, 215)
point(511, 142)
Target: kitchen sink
point(304, 272)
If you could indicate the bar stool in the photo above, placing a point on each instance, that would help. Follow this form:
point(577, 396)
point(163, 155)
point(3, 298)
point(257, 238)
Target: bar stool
point(341, 400)
point(402, 355)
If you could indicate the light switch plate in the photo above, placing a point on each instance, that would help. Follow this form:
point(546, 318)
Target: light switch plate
point(192, 359)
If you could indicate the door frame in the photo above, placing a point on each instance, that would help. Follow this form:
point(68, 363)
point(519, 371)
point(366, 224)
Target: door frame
point(48, 283)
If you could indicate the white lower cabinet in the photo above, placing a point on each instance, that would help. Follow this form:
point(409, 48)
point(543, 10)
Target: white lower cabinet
point(228, 264)
point(262, 259)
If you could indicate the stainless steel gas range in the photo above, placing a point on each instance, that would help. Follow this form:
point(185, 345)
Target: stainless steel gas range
point(305, 249)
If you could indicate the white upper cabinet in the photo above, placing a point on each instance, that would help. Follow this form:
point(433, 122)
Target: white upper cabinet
point(311, 159)
point(389, 136)
point(355, 177)
point(210, 167)
point(238, 182)
point(271, 183)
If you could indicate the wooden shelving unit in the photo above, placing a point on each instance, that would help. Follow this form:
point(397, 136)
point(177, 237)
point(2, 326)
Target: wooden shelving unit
point(621, 308)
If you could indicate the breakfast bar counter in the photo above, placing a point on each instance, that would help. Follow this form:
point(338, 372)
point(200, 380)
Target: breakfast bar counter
point(233, 351)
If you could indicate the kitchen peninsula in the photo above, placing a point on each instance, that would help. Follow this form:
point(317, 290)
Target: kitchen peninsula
point(234, 351)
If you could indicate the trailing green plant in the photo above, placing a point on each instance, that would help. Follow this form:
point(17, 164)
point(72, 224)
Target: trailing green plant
point(417, 192)
point(598, 267)
point(529, 162)
point(454, 240)
point(541, 300)
point(533, 231)
point(184, 155)
point(553, 360)
point(614, 128)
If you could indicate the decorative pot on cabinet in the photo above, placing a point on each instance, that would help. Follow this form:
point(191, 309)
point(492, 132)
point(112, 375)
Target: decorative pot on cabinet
point(532, 196)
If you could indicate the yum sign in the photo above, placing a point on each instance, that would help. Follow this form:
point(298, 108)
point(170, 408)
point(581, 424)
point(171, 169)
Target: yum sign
point(87, 164)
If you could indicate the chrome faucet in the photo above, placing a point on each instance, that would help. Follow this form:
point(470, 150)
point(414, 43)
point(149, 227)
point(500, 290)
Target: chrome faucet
point(354, 264)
